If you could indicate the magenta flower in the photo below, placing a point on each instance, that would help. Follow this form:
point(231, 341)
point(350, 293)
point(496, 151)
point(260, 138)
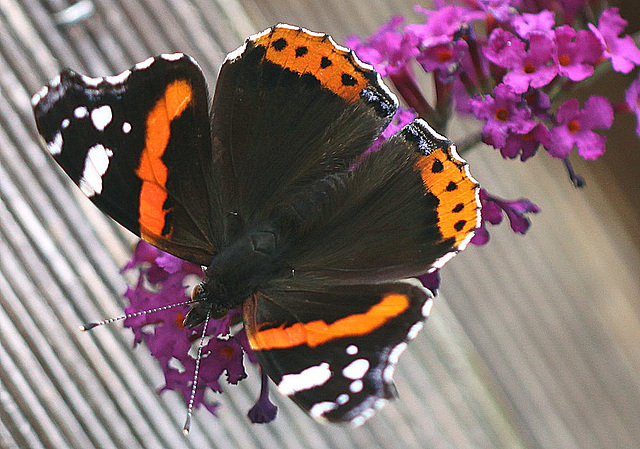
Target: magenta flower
point(443, 57)
point(539, 103)
point(632, 98)
point(493, 211)
point(431, 281)
point(504, 48)
point(441, 24)
point(388, 49)
point(532, 67)
point(622, 51)
point(401, 118)
point(577, 52)
point(540, 23)
point(526, 144)
point(500, 9)
point(169, 341)
point(575, 128)
point(505, 114)
point(264, 410)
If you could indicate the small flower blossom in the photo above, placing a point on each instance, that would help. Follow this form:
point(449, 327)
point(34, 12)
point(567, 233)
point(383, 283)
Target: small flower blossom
point(264, 410)
point(575, 128)
point(622, 51)
point(504, 48)
point(526, 144)
point(539, 103)
point(431, 281)
point(505, 114)
point(441, 25)
point(442, 57)
point(540, 23)
point(577, 52)
point(533, 67)
point(502, 10)
point(493, 211)
point(401, 118)
point(388, 49)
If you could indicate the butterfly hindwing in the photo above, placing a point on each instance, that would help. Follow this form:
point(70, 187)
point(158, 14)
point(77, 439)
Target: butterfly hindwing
point(268, 144)
point(138, 145)
point(334, 350)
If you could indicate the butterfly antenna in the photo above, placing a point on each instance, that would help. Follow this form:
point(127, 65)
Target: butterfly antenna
point(86, 327)
point(187, 423)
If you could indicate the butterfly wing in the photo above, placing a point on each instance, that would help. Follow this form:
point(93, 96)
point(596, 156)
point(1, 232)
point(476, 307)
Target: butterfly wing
point(290, 107)
point(334, 350)
point(403, 210)
point(138, 145)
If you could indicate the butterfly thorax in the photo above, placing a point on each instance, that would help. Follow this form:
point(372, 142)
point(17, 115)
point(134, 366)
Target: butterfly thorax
point(235, 273)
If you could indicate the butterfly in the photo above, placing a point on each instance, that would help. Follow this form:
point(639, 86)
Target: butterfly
point(272, 189)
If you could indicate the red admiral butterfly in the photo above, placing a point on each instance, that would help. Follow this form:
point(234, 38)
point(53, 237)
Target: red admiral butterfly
point(270, 190)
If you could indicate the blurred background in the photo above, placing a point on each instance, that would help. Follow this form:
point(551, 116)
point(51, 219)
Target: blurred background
point(533, 341)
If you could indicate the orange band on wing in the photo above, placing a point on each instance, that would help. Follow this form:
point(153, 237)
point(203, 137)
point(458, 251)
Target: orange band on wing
point(152, 170)
point(317, 332)
point(315, 54)
point(446, 177)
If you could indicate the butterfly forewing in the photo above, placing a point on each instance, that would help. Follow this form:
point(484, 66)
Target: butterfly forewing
point(291, 107)
point(138, 145)
point(401, 211)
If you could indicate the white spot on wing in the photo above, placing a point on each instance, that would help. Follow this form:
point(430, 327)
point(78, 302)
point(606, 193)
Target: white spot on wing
point(145, 64)
point(356, 386)
point(101, 117)
point(92, 82)
point(395, 353)
point(352, 350)
point(80, 112)
point(126, 127)
point(95, 166)
point(387, 374)
point(356, 369)
point(318, 410)
point(414, 330)
point(235, 54)
point(65, 123)
point(342, 399)
point(38, 96)
point(118, 79)
point(55, 146)
point(426, 308)
point(172, 56)
point(306, 379)
point(362, 417)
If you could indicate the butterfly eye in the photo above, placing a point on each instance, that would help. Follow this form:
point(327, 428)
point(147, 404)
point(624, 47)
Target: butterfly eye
point(197, 292)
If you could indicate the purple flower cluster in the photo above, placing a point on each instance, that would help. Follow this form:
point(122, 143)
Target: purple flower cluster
point(161, 284)
point(511, 65)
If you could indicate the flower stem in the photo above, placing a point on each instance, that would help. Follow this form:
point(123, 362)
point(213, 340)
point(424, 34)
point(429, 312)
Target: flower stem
point(406, 85)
